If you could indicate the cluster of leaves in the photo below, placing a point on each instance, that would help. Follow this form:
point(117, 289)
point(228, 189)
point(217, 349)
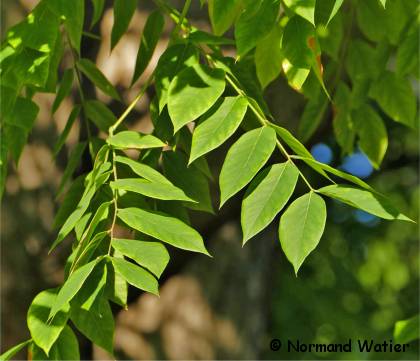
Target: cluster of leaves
point(195, 82)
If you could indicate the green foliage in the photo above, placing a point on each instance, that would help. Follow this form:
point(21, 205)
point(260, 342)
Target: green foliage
point(195, 82)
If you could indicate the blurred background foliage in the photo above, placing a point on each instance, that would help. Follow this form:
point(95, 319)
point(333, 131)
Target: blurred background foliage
point(363, 277)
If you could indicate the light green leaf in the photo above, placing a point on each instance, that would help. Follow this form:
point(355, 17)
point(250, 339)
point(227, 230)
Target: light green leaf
point(97, 324)
point(143, 170)
point(222, 14)
point(98, 8)
point(150, 255)
point(244, 159)
point(175, 59)
point(64, 89)
point(101, 214)
point(99, 114)
point(123, 12)
point(266, 197)
point(373, 138)
point(136, 276)
point(325, 10)
point(269, 56)
point(131, 139)
point(71, 287)
point(155, 190)
point(383, 2)
point(89, 68)
point(408, 330)
point(303, 8)
point(190, 179)
point(73, 162)
point(217, 126)
point(64, 134)
point(373, 203)
point(192, 92)
point(149, 39)
point(44, 333)
point(396, 98)
point(301, 227)
point(253, 25)
point(296, 76)
point(66, 347)
point(348, 177)
point(164, 228)
point(14, 350)
point(117, 288)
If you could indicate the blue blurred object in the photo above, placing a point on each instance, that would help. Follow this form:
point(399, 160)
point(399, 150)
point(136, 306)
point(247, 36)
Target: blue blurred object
point(322, 153)
point(366, 218)
point(357, 164)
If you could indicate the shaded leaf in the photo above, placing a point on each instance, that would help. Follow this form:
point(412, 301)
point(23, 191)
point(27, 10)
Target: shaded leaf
point(99, 114)
point(305, 8)
point(64, 89)
point(73, 162)
point(64, 134)
point(131, 139)
point(123, 12)
point(222, 14)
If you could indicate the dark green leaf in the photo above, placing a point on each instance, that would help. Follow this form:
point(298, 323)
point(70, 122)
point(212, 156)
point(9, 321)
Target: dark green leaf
point(265, 198)
point(64, 89)
point(325, 10)
point(150, 255)
point(98, 8)
point(150, 37)
point(95, 76)
point(63, 136)
point(301, 227)
point(223, 13)
point(123, 12)
point(73, 162)
point(164, 228)
point(99, 114)
point(407, 54)
point(201, 37)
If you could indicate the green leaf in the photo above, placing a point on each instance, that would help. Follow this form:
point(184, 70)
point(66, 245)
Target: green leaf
point(325, 10)
point(164, 228)
point(201, 37)
point(14, 350)
point(296, 76)
point(38, 31)
point(192, 92)
point(222, 14)
point(99, 114)
point(74, 15)
point(175, 59)
point(383, 2)
point(44, 333)
point(89, 68)
point(66, 347)
point(301, 227)
point(143, 170)
point(136, 276)
point(217, 126)
point(296, 146)
point(269, 56)
point(101, 214)
point(266, 197)
point(407, 54)
point(73, 162)
point(189, 178)
point(348, 177)
point(360, 61)
point(244, 159)
point(117, 288)
point(252, 25)
point(64, 89)
point(149, 39)
point(396, 98)
point(71, 287)
point(64, 134)
point(123, 12)
point(97, 324)
point(406, 331)
point(150, 255)
point(131, 139)
point(98, 8)
point(155, 190)
point(373, 203)
point(342, 123)
point(312, 116)
point(373, 138)
point(303, 8)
